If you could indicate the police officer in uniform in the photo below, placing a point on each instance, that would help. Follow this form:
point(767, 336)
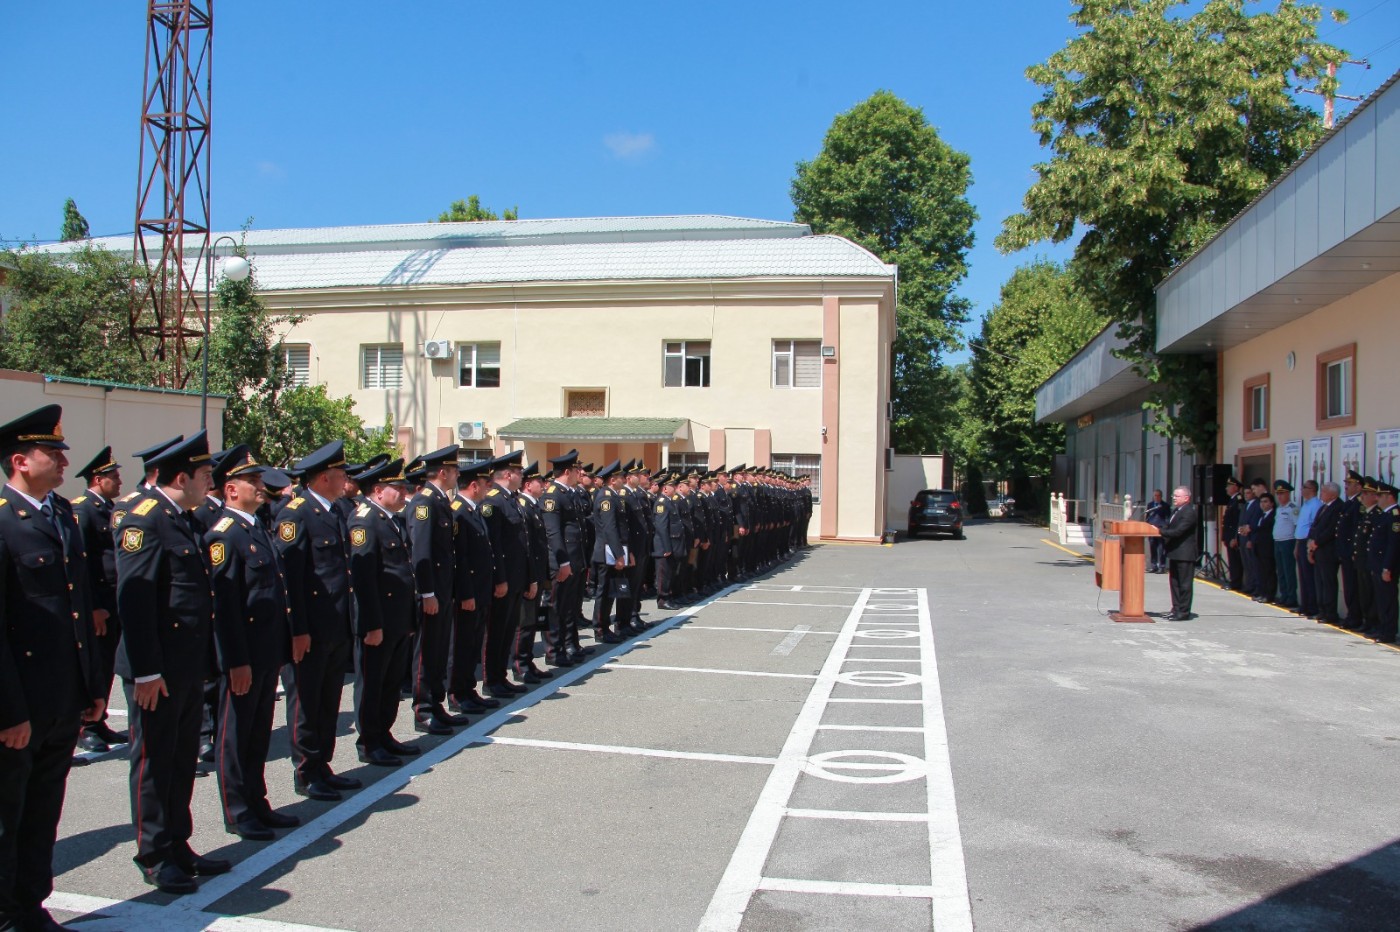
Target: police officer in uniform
point(252, 637)
point(148, 477)
point(668, 540)
point(166, 601)
point(511, 545)
point(386, 595)
point(534, 611)
point(50, 675)
point(475, 580)
point(563, 517)
point(611, 553)
point(314, 543)
point(1385, 564)
point(93, 509)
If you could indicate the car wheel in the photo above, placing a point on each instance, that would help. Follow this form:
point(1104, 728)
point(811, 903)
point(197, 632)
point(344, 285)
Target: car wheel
point(958, 535)
point(912, 533)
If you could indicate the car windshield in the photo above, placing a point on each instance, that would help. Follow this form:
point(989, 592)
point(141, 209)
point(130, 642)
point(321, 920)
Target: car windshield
point(936, 497)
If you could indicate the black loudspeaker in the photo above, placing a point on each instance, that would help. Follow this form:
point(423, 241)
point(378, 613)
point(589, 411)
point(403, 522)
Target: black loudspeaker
point(1209, 485)
point(1061, 472)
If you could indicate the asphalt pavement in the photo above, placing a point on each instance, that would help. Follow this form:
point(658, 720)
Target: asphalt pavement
point(936, 734)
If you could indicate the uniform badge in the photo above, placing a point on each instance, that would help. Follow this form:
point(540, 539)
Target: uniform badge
point(144, 508)
point(217, 553)
point(131, 539)
point(287, 530)
point(421, 513)
point(357, 536)
point(116, 516)
point(607, 505)
point(660, 509)
point(487, 511)
point(549, 504)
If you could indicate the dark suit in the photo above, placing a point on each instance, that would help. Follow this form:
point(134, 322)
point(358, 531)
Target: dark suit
point(165, 598)
point(430, 527)
point(1230, 539)
point(1347, 527)
point(49, 673)
point(251, 628)
point(387, 596)
point(315, 549)
point(610, 526)
point(511, 545)
point(94, 514)
point(1179, 538)
point(532, 617)
point(475, 577)
point(1325, 528)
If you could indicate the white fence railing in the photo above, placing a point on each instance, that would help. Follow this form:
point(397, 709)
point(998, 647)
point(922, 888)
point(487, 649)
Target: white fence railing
point(1076, 521)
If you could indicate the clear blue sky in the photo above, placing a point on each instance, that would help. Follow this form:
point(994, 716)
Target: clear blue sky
point(358, 113)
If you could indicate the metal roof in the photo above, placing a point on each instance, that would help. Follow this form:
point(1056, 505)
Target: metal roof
point(593, 428)
point(1093, 378)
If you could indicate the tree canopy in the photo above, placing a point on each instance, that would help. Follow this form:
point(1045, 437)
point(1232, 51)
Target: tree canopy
point(471, 210)
point(75, 225)
point(1161, 128)
point(886, 180)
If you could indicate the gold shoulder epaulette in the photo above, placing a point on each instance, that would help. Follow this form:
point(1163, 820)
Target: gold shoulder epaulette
point(296, 503)
point(80, 499)
point(457, 505)
point(4, 502)
point(144, 508)
point(494, 492)
point(362, 511)
point(223, 525)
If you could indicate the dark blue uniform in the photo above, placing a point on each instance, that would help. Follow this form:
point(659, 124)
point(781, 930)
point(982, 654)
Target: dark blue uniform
point(511, 545)
point(434, 566)
point(94, 514)
point(474, 580)
point(387, 596)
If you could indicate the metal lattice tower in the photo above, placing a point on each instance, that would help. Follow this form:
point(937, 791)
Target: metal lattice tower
point(172, 194)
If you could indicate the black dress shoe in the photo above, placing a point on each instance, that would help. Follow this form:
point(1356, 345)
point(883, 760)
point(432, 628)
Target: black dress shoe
point(1172, 616)
point(316, 789)
point(476, 697)
point(607, 637)
point(559, 660)
point(500, 691)
point(89, 741)
point(274, 819)
point(337, 782)
point(168, 878)
point(430, 726)
point(206, 753)
point(447, 718)
point(516, 689)
point(379, 758)
point(528, 676)
point(106, 733)
point(394, 746)
point(583, 650)
point(466, 705)
point(539, 671)
point(197, 865)
point(39, 920)
point(250, 829)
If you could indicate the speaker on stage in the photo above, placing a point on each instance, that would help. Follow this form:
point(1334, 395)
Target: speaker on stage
point(1209, 483)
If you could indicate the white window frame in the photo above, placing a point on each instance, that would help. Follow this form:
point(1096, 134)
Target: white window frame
point(470, 456)
point(802, 464)
point(1259, 408)
point(685, 356)
point(688, 461)
point(381, 382)
point(297, 375)
point(786, 352)
point(476, 365)
point(1340, 405)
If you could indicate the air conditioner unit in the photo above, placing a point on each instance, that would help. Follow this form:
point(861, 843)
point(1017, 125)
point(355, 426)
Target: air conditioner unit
point(471, 430)
point(438, 349)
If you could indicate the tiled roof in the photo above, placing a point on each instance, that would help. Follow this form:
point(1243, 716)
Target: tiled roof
point(592, 428)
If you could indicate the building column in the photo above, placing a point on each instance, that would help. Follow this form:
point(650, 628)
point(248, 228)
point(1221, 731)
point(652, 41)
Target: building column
point(831, 416)
point(716, 446)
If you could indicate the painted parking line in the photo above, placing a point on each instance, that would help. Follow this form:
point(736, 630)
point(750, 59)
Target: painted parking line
point(789, 643)
point(764, 673)
point(626, 750)
point(120, 915)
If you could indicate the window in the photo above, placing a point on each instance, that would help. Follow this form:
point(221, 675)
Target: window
point(479, 365)
point(297, 358)
point(680, 462)
point(1256, 408)
point(381, 366)
point(470, 457)
point(802, 464)
point(1336, 387)
point(588, 403)
point(797, 363)
point(687, 364)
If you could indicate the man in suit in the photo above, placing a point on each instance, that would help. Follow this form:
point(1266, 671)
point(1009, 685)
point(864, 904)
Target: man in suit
point(315, 548)
point(93, 509)
point(51, 678)
point(1230, 533)
point(1385, 564)
point(511, 545)
point(166, 602)
point(473, 585)
point(1322, 551)
point(1179, 537)
point(386, 595)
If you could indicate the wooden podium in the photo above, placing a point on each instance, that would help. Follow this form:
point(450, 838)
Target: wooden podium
point(1120, 563)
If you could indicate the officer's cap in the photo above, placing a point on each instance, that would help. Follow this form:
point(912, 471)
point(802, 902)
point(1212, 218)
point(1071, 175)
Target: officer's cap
point(472, 471)
point(609, 469)
point(374, 462)
point(508, 461)
point(330, 456)
point(101, 464)
point(1283, 485)
point(276, 479)
point(388, 471)
point(237, 463)
point(567, 461)
point(1235, 481)
point(1369, 484)
point(1354, 476)
point(447, 456)
point(588, 468)
point(156, 449)
point(532, 471)
point(1386, 488)
point(185, 456)
point(40, 427)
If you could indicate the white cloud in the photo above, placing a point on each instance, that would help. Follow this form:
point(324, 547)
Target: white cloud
point(271, 170)
point(629, 146)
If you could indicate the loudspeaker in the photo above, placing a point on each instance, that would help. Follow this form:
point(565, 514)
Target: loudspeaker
point(1209, 485)
point(1061, 469)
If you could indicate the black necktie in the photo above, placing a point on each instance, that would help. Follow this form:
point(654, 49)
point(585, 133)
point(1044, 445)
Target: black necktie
point(47, 510)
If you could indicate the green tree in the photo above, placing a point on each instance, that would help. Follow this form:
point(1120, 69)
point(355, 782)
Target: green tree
point(1162, 127)
point(1042, 319)
point(75, 226)
point(471, 209)
point(71, 316)
point(884, 179)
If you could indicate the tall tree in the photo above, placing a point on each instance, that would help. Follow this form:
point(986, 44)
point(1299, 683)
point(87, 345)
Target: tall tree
point(471, 209)
point(1162, 127)
point(884, 179)
point(75, 226)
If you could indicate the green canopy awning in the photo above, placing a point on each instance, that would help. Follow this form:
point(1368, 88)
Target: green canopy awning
point(622, 429)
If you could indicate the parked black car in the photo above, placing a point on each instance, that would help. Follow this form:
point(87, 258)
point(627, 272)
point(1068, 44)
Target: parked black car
point(937, 510)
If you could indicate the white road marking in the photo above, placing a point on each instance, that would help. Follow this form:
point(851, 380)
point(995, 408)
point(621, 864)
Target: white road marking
point(621, 749)
point(765, 673)
point(787, 604)
point(882, 701)
point(881, 660)
point(786, 645)
point(808, 630)
point(841, 888)
point(745, 871)
point(858, 815)
point(913, 729)
point(123, 913)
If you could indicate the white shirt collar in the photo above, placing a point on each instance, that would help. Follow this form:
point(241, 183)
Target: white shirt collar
point(38, 505)
point(325, 503)
point(242, 514)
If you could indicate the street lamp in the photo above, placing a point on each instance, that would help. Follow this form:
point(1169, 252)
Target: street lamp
point(235, 268)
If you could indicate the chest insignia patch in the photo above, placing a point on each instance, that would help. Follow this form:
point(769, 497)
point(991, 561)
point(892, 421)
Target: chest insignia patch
point(549, 504)
point(660, 509)
point(358, 536)
point(487, 510)
point(420, 513)
point(131, 539)
point(287, 530)
point(607, 505)
point(217, 553)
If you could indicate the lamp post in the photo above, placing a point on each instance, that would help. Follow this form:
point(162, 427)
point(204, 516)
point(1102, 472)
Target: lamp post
point(236, 268)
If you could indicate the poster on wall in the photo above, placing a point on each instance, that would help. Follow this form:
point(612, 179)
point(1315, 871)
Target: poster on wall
point(1293, 462)
point(1387, 455)
point(1319, 460)
point(1352, 450)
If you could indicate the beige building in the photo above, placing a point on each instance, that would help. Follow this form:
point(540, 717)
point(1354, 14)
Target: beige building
point(683, 341)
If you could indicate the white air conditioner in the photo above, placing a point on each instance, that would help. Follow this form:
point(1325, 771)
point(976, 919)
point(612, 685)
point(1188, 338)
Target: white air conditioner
point(438, 349)
point(471, 430)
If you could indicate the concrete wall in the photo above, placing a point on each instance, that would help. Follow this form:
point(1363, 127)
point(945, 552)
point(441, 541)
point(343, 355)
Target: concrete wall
point(910, 475)
point(95, 417)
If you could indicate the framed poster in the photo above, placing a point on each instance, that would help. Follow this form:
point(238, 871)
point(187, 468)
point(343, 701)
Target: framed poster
point(1319, 460)
point(1387, 455)
point(1353, 453)
point(1293, 462)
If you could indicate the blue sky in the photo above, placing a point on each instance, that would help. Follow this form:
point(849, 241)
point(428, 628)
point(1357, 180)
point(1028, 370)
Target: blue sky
point(357, 112)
